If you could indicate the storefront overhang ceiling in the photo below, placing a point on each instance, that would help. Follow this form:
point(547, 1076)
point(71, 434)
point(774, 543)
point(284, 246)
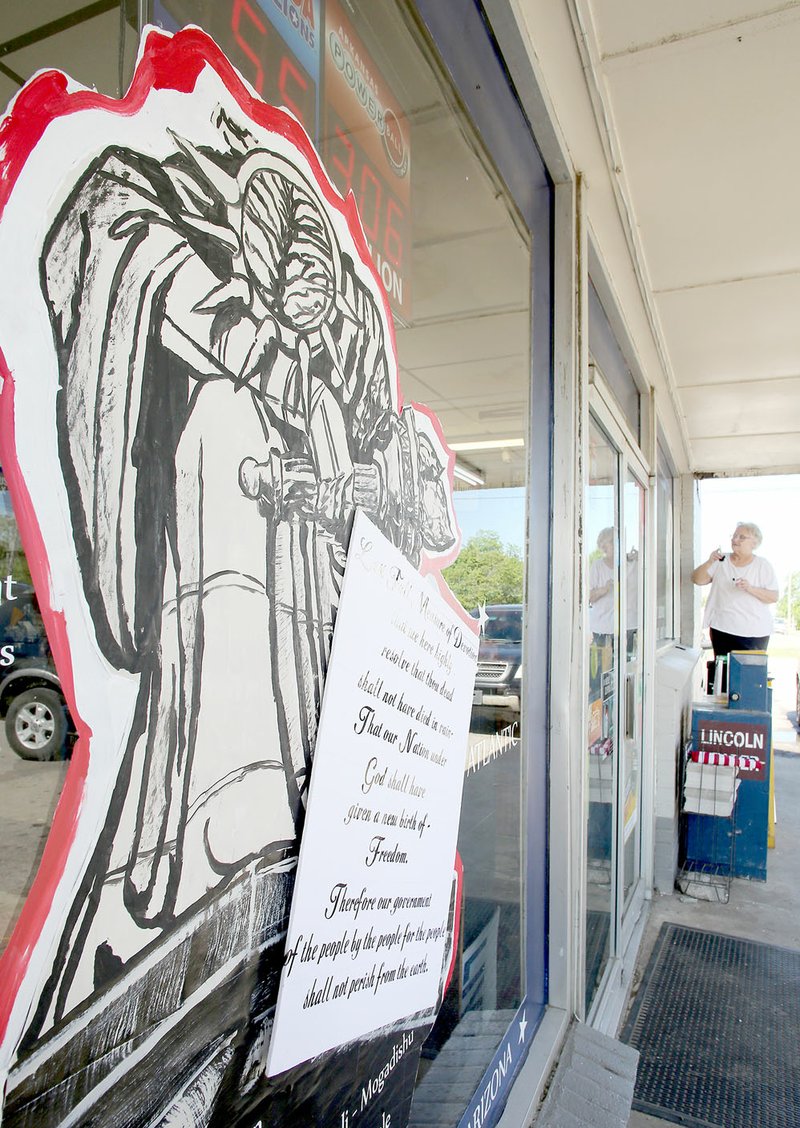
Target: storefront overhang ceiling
point(696, 105)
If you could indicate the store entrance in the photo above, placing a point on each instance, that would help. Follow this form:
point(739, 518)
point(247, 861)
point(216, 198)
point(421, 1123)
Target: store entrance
point(616, 500)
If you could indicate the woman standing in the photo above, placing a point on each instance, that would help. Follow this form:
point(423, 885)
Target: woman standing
point(743, 587)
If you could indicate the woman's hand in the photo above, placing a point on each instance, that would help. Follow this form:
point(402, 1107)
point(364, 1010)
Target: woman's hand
point(763, 595)
point(701, 574)
point(600, 591)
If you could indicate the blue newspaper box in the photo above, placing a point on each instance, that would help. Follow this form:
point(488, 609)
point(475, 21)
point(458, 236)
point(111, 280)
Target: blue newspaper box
point(734, 737)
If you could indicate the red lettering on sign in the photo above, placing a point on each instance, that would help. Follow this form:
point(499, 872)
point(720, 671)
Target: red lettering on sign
point(238, 7)
point(290, 74)
point(392, 239)
point(368, 178)
point(345, 169)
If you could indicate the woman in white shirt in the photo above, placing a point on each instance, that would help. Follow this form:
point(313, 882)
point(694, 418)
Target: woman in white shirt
point(743, 588)
point(601, 589)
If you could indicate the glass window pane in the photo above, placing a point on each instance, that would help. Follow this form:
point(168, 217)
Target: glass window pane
point(634, 503)
point(27, 800)
point(608, 357)
point(455, 258)
point(602, 571)
point(87, 41)
point(90, 43)
point(488, 578)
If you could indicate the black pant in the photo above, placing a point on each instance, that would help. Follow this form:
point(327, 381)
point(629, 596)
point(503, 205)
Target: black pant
point(724, 643)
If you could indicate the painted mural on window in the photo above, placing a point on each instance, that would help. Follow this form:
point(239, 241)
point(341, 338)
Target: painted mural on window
point(200, 389)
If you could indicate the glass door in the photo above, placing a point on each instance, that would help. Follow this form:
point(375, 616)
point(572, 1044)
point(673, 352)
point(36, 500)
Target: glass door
point(634, 497)
point(602, 572)
point(616, 508)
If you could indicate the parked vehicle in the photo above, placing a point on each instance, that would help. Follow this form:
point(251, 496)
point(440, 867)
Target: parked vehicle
point(498, 679)
point(31, 701)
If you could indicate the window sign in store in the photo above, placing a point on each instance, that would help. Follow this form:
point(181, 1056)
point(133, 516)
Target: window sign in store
point(307, 56)
point(366, 146)
point(200, 390)
point(370, 934)
point(275, 46)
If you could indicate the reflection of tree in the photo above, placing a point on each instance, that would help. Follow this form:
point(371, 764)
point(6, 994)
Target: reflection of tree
point(12, 558)
point(788, 606)
point(487, 571)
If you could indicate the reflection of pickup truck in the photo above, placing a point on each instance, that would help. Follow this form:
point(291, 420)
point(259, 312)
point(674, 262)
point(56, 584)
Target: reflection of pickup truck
point(498, 680)
point(31, 701)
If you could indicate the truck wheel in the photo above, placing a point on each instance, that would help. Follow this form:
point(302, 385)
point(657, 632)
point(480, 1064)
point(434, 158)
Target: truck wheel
point(36, 724)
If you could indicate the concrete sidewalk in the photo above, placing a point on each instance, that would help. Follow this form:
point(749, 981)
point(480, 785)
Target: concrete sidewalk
point(768, 912)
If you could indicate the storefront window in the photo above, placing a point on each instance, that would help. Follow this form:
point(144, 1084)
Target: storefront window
point(12, 559)
point(615, 584)
point(35, 724)
point(94, 43)
point(488, 577)
point(455, 258)
point(610, 360)
point(462, 310)
point(602, 563)
point(634, 500)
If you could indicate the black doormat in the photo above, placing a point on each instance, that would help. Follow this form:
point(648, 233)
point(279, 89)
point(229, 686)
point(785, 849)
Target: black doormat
point(598, 933)
point(717, 1024)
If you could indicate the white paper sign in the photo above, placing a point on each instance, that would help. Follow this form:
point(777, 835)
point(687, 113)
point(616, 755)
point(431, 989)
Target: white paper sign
point(368, 927)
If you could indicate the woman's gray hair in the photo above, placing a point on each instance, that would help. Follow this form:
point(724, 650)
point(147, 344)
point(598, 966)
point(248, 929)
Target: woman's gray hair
point(751, 529)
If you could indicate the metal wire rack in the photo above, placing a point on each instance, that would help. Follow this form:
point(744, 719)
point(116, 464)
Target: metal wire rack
point(707, 829)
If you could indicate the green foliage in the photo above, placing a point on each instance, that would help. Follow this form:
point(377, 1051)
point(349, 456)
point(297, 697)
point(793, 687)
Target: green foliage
point(487, 571)
point(788, 606)
point(12, 558)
